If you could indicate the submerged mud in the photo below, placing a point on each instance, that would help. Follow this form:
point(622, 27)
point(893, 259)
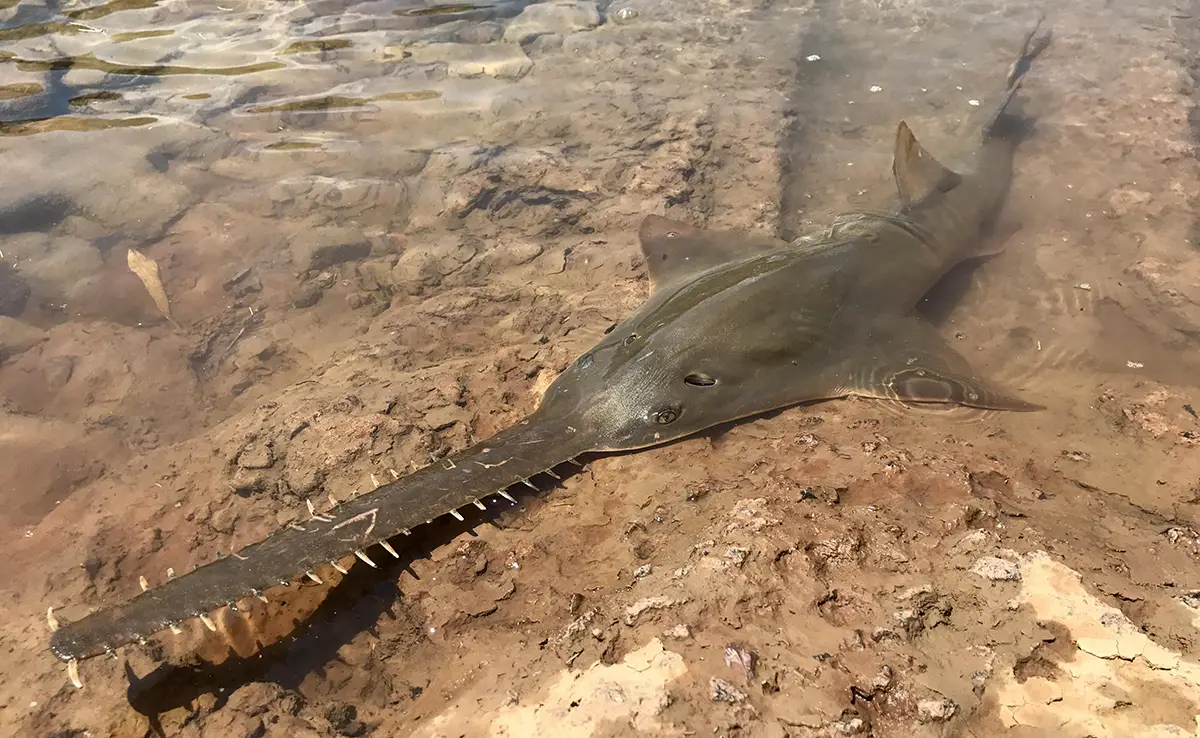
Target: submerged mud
point(364, 287)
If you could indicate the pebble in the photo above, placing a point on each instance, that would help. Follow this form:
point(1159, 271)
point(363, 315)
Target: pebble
point(722, 691)
point(680, 632)
point(635, 611)
point(624, 15)
point(936, 710)
point(256, 456)
point(998, 570)
point(308, 296)
point(642, 571)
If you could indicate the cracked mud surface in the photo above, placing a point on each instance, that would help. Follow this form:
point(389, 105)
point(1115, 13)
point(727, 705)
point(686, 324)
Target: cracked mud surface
point(363, 288)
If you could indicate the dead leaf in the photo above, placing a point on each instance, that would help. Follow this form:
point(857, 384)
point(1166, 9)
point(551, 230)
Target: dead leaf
point(147, 270)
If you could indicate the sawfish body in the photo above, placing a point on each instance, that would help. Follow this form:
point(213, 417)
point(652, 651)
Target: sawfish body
point(735, 326)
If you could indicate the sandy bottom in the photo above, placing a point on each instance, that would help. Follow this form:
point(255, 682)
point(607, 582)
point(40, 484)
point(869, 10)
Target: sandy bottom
point(382, 234)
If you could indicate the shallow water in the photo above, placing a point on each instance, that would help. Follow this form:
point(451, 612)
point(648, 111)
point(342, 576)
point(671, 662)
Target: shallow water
point(382, 229)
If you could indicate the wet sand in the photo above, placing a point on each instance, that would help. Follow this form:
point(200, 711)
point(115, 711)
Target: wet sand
point(383, 231)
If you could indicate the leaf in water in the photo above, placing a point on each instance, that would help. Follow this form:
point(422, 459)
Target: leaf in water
point(147, 270)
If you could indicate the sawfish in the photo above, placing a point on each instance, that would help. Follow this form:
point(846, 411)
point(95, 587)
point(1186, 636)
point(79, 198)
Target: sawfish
point(735, 326)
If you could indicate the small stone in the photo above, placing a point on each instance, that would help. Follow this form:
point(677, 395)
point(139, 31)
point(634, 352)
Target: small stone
point(248, 481)
point(623, 15)
point(936, 710)
point(557, 17)
point(319, 248)
point(235, 278)
point(308, 296)
point(642, 571)
point(737, 555)
point(996, 569)
point(635, 611)
point(344, 720)
point(680, 632)
point(256, 456)
point(722, 691)
point(18, 337)
point(224, 520)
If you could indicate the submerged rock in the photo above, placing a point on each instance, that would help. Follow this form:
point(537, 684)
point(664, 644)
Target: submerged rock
point(554, 17)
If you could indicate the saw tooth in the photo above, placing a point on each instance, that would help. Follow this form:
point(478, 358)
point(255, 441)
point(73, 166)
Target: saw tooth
point(530, 485)
point(406, 532)
point(339, 567)
point(507, 496)
point(73, 673)
point(388, 547)
point(208, 623)
point(170, 572)
point(365, 559)
point(313, 577)
point(457, 515)
point(394, 473)
point(332, 499)
point(574, 461)
point(312, 510)
point(51, 620)
point(143, 584)
point(176, 630)
point(551, 473)
point(479, 505)
point(374, 482)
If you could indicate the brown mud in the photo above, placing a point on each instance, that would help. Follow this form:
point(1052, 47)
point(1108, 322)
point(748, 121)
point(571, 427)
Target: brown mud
point(382, 257)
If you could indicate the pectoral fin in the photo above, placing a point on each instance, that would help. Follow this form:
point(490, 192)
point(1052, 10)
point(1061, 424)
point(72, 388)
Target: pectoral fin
point(907, 360)
point(676, 251)
point(917, 173)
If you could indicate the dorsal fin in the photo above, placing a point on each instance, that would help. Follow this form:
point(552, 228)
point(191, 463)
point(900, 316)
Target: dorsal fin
point(675, 250)
point(917, 173)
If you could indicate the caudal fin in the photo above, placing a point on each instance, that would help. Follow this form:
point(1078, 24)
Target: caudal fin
point(1035, 44)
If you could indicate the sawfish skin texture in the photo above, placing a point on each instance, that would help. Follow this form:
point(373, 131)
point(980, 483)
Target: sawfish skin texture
point(736, 325)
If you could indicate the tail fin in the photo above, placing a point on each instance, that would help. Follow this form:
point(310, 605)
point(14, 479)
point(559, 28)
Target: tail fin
point(1034, 45)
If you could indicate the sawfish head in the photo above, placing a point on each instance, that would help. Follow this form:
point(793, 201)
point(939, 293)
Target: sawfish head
point(709, 346)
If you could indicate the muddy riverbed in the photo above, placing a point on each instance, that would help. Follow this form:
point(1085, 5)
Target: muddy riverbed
point(384, 229)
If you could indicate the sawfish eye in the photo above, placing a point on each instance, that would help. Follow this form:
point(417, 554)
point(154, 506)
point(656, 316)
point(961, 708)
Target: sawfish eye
point(672, 234)
point(699, 380)
point(666, 416)
point(630, 339)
